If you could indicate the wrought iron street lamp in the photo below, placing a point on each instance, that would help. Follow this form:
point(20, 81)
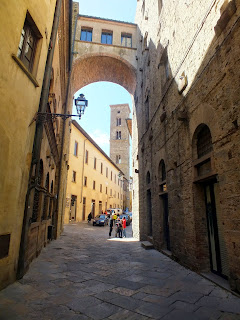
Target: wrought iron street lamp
point(81, 103)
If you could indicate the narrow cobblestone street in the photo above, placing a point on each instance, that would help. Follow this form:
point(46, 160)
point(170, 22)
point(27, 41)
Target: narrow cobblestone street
point(85, 275)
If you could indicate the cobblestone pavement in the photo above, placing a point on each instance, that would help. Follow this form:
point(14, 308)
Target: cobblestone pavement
point(85, 275)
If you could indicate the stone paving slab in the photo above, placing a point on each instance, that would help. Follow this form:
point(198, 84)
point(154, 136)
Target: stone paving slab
point(85, 275)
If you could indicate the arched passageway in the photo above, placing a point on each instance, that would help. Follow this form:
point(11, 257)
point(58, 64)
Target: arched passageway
point(89, 69)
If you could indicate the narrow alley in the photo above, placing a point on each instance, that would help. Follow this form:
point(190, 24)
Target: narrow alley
point(86, 275)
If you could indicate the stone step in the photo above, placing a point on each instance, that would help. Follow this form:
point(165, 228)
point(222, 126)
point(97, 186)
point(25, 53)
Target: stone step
point(147, 245)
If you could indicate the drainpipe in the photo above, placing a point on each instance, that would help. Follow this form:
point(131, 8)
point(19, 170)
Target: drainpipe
point(83, 169)
point(38, 140)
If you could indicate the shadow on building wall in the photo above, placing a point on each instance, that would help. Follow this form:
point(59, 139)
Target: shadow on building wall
point(181, 190)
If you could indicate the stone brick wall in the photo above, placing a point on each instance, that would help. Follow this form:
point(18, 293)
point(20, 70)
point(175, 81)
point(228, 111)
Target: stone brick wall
point(187, 74)
point(120, 146)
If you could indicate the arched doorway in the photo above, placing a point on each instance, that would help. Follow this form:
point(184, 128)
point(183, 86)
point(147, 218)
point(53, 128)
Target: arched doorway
point(206, 178)
point(149, 205)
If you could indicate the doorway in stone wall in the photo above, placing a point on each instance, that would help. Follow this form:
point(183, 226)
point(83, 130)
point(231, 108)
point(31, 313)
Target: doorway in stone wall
point(207, 201)
point(166, 234)
point(217, 252)
point(149, 212)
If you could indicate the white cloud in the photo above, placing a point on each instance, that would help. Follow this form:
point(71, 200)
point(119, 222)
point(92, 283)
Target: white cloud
point(102, 139)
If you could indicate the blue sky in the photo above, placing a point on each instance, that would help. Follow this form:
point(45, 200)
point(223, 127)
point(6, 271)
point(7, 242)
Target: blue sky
point(123, 10)
point(96, 119)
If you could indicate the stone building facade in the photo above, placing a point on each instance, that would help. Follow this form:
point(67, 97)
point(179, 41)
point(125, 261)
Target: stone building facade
point(104, 50)
point(35, 66)
point(120, 144)
point(186, 120)
point(94, 183)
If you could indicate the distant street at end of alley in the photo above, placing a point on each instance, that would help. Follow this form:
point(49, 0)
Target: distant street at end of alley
point(87, 275)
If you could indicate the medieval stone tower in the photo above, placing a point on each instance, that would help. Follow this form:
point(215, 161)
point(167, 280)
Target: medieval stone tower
point(119, 145)
point(119, 137)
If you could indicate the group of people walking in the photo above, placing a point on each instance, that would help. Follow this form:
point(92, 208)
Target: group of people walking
point(115, 223)
point(119, 225)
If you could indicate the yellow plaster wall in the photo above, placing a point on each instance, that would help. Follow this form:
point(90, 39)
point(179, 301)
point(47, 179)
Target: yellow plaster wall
point(19, 102)
point(77, 189)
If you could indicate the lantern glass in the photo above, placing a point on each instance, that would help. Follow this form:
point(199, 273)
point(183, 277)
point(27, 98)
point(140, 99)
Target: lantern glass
point(81, 103)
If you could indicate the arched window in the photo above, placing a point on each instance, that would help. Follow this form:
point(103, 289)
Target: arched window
point(148, 177)
point(162, 176)
point(162, 171)
point(202, 148)
point(204, 141)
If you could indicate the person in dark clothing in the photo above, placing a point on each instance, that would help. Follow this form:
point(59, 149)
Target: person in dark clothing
point(120, 229)
point(90, 217)
point(110, 227)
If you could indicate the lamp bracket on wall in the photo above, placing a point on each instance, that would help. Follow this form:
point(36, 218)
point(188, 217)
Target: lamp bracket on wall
point(46, 116)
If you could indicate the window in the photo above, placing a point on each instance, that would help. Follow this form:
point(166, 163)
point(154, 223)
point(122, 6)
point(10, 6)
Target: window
point(118, 159)
point(115, 178)
point(118, 122)
point(106, 37)
point(118, 135)
point(106, 190)
point(95, 163)
point(126, 40)
point(110, 192)
point(164, 67)
point(204, 142)
point(145, 41)
point(86, 157)
point(111, 175)
point(76, 148)
point(159, 6)
point(85, 181)
point(74, 176)
point(203, 151)
point(162, 171)
point(106, 172)
point(100, 187)
point(143, 7)
point(86, 35)
point(94, 185)
point(28, 42)
point(101, 168)
point(118, 195)
point(162, 176)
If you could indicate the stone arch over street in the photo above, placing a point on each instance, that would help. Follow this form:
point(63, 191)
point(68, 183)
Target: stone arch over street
point(101, 67)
